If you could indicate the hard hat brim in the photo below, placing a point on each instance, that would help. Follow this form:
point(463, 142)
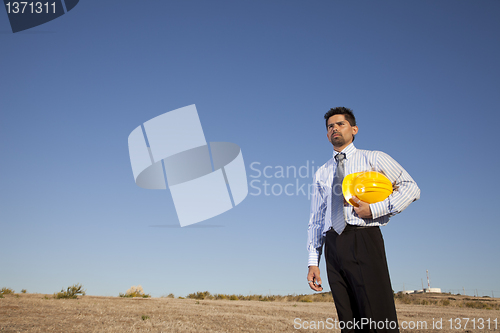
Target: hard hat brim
point(347, 188)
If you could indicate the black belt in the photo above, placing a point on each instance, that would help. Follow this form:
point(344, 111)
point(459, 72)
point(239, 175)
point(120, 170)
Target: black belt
point(352, 227)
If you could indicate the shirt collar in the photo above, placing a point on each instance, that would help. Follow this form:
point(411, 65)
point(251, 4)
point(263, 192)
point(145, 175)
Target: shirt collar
point(348, 151)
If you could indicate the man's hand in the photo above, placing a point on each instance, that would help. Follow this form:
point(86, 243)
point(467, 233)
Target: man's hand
point(314, 279)
point(363, 209)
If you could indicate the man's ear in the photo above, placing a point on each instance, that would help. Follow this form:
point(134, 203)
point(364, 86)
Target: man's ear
point(354, 130)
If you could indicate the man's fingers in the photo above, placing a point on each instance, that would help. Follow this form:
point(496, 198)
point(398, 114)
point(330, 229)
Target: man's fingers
point(315, 283)
point(317, 280)
point(356, 201)
point(315, 287)
point(313, 279)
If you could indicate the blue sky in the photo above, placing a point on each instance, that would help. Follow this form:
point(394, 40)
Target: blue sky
point(422, 78)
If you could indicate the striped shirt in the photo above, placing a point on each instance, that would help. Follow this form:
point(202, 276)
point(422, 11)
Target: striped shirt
point(405, 192)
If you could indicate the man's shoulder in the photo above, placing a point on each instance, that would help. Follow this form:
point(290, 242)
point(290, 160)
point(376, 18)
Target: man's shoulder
point(366, 151)
point(370, 153)
point(325, 167)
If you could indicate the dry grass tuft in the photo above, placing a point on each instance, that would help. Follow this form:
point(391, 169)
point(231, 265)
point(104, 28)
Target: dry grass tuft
point(135, 292)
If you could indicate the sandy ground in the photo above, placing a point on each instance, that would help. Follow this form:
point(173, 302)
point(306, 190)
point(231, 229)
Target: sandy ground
point(42, 313)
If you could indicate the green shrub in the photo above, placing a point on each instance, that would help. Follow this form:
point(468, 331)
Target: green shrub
point(70, 292)
point(23, 291)
point(476, 305)
point(5, 291)
point(201, 295)
point(145, 317)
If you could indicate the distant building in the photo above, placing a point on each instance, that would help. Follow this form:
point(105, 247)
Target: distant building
point(432, 290)
point(421, 291)
point(406, 292)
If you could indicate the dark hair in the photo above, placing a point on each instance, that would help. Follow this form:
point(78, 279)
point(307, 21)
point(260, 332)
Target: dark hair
point(348, 115)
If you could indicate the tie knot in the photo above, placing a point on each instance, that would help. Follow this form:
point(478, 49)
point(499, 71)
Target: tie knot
point(339, 157)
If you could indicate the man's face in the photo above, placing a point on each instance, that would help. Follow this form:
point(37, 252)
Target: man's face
point(340, 133)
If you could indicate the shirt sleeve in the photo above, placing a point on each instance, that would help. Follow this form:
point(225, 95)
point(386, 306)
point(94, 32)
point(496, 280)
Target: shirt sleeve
point(316, 223)
point(405, 189)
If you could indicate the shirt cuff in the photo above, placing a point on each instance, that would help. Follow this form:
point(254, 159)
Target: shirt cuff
point(313, 258)
point(379, 209)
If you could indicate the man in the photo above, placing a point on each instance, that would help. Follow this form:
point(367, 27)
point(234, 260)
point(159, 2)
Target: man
point(354, 248)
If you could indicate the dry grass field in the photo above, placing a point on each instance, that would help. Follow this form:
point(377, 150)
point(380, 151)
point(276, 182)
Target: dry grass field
point(43, 313)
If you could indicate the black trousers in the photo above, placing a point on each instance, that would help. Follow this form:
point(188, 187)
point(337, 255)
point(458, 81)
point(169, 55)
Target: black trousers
point(359, 279)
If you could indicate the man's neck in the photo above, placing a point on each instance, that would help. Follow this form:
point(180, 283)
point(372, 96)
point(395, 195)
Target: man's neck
point(339, 149)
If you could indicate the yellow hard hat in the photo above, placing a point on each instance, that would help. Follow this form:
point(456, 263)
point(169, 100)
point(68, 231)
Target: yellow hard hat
point(368, 186)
